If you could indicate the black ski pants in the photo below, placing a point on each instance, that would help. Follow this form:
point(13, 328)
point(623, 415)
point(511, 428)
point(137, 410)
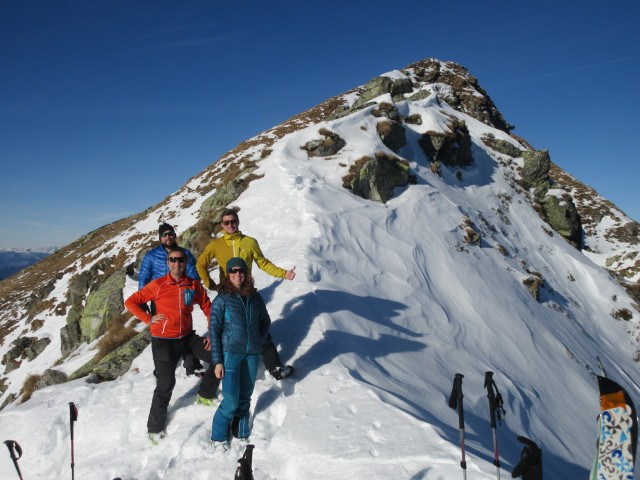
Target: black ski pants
point(166, 354)
point(270, 355)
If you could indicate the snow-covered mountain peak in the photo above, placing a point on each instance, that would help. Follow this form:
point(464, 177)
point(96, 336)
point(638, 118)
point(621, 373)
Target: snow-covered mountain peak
point(457, 266)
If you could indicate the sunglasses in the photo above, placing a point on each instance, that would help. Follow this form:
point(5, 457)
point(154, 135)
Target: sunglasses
point(177, 259)
point(168, 234)
point(238, 270)
point(229, 222)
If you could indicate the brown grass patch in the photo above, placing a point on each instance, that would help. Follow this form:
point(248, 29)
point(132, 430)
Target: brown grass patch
point(116, 335)
point(29, 387)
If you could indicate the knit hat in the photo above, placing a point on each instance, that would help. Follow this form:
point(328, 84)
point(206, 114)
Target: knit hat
point(165, 227)
point(236, 262)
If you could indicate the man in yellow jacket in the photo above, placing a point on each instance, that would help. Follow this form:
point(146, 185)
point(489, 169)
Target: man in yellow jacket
point(234, 244)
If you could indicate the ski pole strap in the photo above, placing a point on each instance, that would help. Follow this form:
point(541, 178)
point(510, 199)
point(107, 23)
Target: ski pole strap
point(13, 447)
point(496, 404)
point(15, 452)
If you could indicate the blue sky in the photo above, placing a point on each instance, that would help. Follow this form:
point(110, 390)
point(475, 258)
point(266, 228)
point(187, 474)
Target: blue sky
point(106, 107)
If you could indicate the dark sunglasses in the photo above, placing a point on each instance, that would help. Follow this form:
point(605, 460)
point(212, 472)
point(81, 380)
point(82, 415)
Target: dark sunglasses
point(168, 234)
point(229, 222)
point(177, 259)
point(238, 270)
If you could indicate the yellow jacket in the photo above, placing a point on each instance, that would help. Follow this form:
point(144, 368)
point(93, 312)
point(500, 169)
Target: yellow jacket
point(235, 245)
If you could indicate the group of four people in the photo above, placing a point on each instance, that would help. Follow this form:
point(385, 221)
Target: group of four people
point(170, 278)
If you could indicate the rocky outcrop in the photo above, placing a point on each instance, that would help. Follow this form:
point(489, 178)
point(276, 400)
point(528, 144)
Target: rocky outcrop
point(533, 284)
point(102, 306)
point(560, 213)
point(376, 87)
point(563, 217)
point(501, 146)
point(70, 337)
point(331, 144)
point(24, 348)
point(392, 134)
point(452, 149)
point(375, 178)
point(51, 377)
point(535, 172)
point(465, 93)
point(119, 360)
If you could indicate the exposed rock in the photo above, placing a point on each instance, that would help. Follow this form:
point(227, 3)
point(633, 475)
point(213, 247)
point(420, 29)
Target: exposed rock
point(103, 305)
point(501, 146)
point(24, 348)
point(421, 95)
point(375, 178)
point(387, 110)
point(51, 377)
point(451, 149)
point(563, 218)
point(37, 347)
point(533, 285)
point(119, 361)
point(78, 287)
point(376, 87)
point(392, 135)
point(70, 337)
point(74, 314)
point(472, 237)
point(329, 145)
point(465, 95)
point(536, 167)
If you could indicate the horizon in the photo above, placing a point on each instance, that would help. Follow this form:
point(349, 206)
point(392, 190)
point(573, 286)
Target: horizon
point(156, 92)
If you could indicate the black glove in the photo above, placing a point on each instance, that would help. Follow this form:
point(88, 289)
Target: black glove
point(530, 465)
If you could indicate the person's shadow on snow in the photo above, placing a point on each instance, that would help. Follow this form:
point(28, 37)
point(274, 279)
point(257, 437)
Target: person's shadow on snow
point(299, 314)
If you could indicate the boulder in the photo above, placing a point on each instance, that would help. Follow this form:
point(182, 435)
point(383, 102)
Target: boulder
point(563, 217)
point(501, 146)
point(533, 285)
point(331, 144)
point(375, 178)
point(536, 167)
point(37, 347)
point(51, 377)
point(376, 87)
point(452, 149)
point(70, 337)
point(24, 348)
point(102, 306)
point(392, 135)
point(119, 361)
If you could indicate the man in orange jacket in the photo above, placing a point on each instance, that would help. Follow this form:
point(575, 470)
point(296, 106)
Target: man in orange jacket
point(172, 334)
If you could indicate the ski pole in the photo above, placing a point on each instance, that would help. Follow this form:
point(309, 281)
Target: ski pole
point(73, 416)
point(495, 406)
point(455, 401)
point(14, 447)
point(244, 471)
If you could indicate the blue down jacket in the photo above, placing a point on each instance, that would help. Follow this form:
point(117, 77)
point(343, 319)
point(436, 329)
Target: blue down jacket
point(237, 325)
point(154, 265)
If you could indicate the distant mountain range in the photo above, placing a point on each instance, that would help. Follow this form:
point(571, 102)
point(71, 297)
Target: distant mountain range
point(13, 260)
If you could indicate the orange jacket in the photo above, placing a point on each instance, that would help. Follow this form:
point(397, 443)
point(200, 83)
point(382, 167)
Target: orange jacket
point(175, 300)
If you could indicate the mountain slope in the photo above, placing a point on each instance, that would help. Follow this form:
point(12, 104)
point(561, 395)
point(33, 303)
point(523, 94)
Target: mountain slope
point(391, 300)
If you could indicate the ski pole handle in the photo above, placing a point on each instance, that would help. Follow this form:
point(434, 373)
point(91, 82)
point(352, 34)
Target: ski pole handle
point(14, 447)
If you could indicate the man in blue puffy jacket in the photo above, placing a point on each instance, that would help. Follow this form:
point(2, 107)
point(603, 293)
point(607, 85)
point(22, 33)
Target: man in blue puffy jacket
point(154, 263)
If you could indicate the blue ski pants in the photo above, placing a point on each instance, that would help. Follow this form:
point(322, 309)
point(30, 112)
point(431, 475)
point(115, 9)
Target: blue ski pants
point(240, 372)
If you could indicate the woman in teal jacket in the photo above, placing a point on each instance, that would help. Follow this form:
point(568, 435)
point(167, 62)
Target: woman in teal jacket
point(238, 326)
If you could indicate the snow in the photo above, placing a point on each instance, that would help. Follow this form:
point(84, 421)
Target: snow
point(388, 304)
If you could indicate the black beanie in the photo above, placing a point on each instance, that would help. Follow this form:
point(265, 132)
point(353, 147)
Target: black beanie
point(165, 227)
